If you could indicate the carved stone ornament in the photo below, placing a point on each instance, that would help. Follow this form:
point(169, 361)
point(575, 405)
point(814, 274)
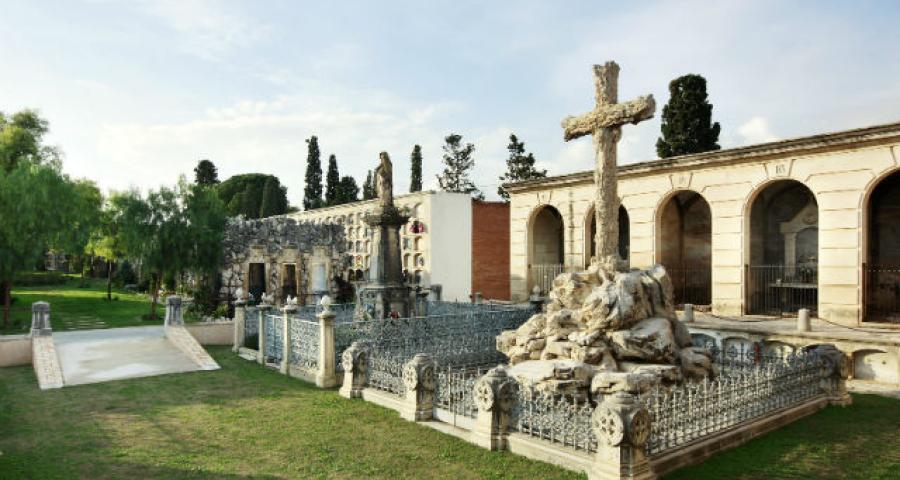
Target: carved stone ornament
point(419, 373)
point(354, 359)
point(506, 395)
point(484, 395)
point(608, 425)
point(639, 430)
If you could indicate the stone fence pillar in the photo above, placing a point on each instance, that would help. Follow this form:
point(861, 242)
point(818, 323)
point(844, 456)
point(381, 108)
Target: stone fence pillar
point(40, 319)
point(173, 311)
point(536, 300)
point(325, 377)
point(285, 326)
point(355, 361)
point(622, 427)
point(494, 394)
point(834, 372)
point(418, 376)
point(240, 324)
point(263, 311)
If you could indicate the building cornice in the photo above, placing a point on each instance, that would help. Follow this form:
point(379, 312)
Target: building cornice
point(843, 140)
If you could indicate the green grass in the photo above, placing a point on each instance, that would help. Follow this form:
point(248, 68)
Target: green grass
point(246, 422)
point(75, 307)
point(241, 422)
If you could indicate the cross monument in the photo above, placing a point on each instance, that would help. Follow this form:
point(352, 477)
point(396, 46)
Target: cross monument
point(604, 124)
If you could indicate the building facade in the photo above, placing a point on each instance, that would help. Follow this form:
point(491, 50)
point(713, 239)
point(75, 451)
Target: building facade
point(811, 222)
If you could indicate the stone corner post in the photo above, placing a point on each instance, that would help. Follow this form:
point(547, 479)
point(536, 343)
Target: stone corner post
point(263, 311)
point(173, 311)
point(240, 322)
point(355, 361)
point(418, 377)
point(287, 310)
point(325, 376)
point(40, 319)
point(495, 395)
point(535, 299)
point(834, 372)
point(622, 427)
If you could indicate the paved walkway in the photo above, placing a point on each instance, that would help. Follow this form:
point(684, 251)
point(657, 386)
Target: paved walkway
point(788, 326)
point(91, 356)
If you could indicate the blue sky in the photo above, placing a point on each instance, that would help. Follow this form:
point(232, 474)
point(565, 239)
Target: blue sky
point(137, 92)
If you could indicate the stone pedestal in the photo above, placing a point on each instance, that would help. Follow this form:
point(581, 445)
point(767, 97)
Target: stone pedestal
point(418, 377)
point(263, 311)
point(385, 293)
point(173, 311)
point(240, 324)
point(325, 377)
point(834, 372)
point(622, 427)
point(40, 319)
point(495, 394)
point(287, 310)
point(355, 361)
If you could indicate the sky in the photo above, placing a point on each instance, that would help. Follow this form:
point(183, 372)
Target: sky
point(138, 92)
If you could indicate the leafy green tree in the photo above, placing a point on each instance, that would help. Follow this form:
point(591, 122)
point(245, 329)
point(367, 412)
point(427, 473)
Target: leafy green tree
point(458, 163)
point(20, 139)
point(206, 173)
point(83, 209)
point(519, 166)
point(368, 189)
point(687, 119)
point(415, 160)
point(243, 195)
point(349, 192)
point(312, 191)
point(332, 182)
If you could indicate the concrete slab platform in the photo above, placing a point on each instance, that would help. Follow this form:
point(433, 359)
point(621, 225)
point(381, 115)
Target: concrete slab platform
point(91, 356)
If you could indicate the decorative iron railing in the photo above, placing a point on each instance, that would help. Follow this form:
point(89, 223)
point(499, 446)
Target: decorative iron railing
point(274, 338)
point(780, 290)
point(556, 419)
point(696, 410)
point(691, 284)
point(454, 387)
point(304, 343)
point(882, 293)
point(542, 275)
point(385, 372)
point(343, 312)
point(251, 327)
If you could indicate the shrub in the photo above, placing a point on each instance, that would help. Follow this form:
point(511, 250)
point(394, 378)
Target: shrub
point(35, 279)
point(125, 275)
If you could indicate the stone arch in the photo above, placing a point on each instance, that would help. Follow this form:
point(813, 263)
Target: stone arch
point(684, 245)
point(774, 348)
point(705, 340)
point(881, 253)
point(546, 246)
point(781, 254)
point(590, 234)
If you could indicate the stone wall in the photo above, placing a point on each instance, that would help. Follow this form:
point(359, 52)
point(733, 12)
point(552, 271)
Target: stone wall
point(278, 241)
point(841, 170)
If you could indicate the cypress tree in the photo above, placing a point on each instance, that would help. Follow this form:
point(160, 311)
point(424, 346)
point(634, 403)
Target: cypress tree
point(349, 192)
point(415, 182)
point(519, 166)
point(270, 199)
point(368, 189)
point(687, 119)
point(458, 162)
point(332, 182)
point(312, 191)
point(205, 173)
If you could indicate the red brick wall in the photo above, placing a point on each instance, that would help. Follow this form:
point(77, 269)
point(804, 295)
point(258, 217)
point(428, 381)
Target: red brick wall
point(490, 249)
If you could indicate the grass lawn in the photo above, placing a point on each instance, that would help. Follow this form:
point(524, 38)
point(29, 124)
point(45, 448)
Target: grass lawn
point(251, 423)
point(73, 307)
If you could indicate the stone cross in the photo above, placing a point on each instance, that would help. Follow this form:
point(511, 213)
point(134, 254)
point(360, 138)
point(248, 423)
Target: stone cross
point(604, 123)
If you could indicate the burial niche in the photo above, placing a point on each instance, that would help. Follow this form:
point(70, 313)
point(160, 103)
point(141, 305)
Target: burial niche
point(882, 268)
point(685, 247)
point(624, 235)
point(547, 253)
point(256, 280)
point(289, 281)
point(783, 270)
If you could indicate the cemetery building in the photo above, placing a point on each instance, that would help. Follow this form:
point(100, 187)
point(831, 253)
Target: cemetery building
point(767, 229)
point(452, 244)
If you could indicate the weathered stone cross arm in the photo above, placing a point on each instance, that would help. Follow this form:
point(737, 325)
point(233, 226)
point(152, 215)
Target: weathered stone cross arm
point(608, 115)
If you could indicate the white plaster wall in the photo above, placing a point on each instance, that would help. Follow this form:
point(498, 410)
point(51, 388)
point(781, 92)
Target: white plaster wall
point(451, 242)
point(15, 350)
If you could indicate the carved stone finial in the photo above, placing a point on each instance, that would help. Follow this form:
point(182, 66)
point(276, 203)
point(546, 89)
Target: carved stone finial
point(325, 303)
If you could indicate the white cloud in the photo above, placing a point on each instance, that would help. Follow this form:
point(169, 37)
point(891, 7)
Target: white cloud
point(756, 130)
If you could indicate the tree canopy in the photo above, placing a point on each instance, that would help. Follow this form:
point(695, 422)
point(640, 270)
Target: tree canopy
point(312, 190)
point(349, 191)
point(21, 137)
point(206, 173)
point(332, 183)
point(415, 160)
point(687, 119)
point(253, 195)
point(368, 188)
point(458, 164)
point(519, 166)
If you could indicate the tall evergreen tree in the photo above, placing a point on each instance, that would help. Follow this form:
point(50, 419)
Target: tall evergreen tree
point(206, 173)
point(687, 119)
point(368, 189)
point(238, 193)
point(332, 182)
point(458, 162)
point(349, 192)
point(269, 205)
point(312, 191)
point(519, 167)
point(415, 159)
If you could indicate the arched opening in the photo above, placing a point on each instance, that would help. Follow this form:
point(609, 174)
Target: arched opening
point(547, 253)
point(783, 270)
point(624, 235)
point(881, 287)
point(685, 247)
